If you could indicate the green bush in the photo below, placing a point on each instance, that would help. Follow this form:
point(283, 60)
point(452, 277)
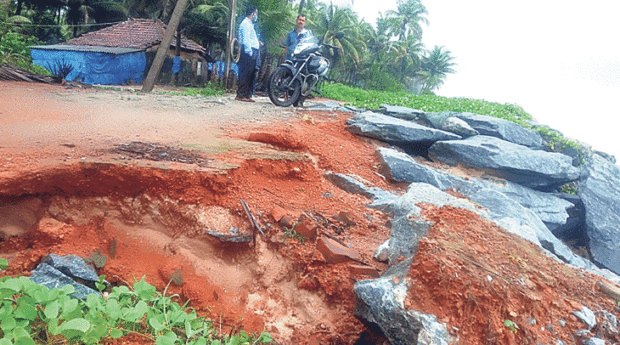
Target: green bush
point(33, 314)
point(15, 51)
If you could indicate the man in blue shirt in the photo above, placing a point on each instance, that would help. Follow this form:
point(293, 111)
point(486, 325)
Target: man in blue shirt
point(296, 35)
point(249, 52)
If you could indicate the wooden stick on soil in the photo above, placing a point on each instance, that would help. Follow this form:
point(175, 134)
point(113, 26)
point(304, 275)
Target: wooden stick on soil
point(253, 222)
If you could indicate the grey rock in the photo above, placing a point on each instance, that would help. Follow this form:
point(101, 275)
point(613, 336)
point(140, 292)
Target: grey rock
point(352, 185)
point(587, 316)
point(407, 228)
point(449, 123)
point(72, 266)
point(433, 332)
point(327, 106)
point(576, 223)
point(382, 252)
point(390, 129)
point(531, 168)
point(552, 210)
point(232, 235)
point(498, 208)
point(405, 237)
point(400, 112)
point(502, 129)
point(601, 198)
point(50, 277)
point(595, 341)
point(403, 168)
point(380, 302)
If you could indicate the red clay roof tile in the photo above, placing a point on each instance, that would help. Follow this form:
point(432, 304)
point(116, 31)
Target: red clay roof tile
point(133, 33)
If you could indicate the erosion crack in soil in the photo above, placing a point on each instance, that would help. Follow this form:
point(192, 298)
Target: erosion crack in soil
point(155, 182)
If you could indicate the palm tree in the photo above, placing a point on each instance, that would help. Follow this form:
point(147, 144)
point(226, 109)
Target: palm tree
point(435, 66)
point(405, 21)
point(339, 27)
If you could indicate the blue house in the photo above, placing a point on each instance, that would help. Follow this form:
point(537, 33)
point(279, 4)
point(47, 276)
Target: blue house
point(123, 53)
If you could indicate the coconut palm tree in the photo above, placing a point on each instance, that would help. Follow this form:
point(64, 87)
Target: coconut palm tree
point(339, 27)
point(435, 66)
point(407, 19)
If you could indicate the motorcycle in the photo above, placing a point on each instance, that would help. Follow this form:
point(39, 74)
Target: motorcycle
point(294, 80)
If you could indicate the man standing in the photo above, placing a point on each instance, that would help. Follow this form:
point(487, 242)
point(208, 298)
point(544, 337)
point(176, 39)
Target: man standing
point(249, 52)
point(294, 36)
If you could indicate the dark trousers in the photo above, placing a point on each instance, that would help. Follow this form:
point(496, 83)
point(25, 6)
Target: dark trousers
point(247, 64)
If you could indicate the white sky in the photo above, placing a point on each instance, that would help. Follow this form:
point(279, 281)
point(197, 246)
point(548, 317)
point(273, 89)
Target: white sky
point(558, 59)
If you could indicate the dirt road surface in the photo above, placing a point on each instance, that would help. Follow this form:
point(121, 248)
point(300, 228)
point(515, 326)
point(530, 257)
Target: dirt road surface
point(155, 182)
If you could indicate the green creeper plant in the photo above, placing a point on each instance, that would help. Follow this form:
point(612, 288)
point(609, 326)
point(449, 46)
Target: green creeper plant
point(33, 314)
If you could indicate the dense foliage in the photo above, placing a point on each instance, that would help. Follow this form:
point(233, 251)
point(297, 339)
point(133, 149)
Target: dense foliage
point(33, 314)
point(389, 56)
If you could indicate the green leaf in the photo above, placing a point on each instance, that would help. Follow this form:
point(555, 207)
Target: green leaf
point(68, 289)
point(265, 338)
point(8, 324)
point(69, 305)
point(116, 333)
point(5, 341)
point(42, 295)
point(156, 324)
point(199, 341)
point(167, 339)
point(144, 290)
point(52, 309)
point(74, 328)
point(93, 301)
point(52, 326)
point(20, 332)
point(216, 342)
point(12, 286)
point(27, 340)
point(113, 309)
point(26, 308)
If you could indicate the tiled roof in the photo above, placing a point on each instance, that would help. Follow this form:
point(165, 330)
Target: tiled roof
point(133, 33)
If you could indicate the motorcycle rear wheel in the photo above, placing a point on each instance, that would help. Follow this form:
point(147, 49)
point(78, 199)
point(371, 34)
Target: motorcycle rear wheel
point(279, 92)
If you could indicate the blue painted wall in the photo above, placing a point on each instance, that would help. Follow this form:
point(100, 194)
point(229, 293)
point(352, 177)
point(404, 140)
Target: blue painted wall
point(95, 68)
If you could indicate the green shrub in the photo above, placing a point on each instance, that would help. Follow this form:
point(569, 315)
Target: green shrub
point(33, 314)
point(15, 51)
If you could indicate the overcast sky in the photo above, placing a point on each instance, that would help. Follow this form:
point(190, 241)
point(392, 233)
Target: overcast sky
point(559, 60)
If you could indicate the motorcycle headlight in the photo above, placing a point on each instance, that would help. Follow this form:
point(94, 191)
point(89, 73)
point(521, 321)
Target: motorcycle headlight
point(323, 66)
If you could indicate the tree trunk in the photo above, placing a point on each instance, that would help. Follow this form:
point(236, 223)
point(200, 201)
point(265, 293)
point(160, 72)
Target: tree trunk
point(229, 38)
point(18, 11)
point(301, 6)
point(162, 51)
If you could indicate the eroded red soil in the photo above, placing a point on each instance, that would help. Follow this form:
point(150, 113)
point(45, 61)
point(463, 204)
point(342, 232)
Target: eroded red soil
point(148, 217)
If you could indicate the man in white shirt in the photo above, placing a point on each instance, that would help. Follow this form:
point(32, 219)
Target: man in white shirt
point(249, 51)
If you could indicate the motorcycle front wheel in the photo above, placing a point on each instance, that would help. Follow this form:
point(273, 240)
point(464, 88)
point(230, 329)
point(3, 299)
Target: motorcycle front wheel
point(279, 92)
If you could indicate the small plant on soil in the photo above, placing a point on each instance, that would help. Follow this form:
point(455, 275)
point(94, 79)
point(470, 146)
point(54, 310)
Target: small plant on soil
point(101, 284)
point(293, 234)
point(511, 325)
point(33, 314)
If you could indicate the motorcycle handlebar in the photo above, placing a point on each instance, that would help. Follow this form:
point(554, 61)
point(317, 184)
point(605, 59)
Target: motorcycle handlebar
point(330, 46)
